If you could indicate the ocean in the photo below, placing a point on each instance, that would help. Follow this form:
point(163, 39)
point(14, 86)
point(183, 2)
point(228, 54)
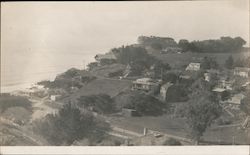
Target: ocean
point(22, 71)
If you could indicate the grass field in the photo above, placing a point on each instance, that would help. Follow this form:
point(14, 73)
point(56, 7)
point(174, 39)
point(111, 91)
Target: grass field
point(179, 127)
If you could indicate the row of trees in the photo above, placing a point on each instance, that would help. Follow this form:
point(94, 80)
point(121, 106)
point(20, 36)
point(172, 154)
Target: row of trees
point(222, 45)
point(157, 43)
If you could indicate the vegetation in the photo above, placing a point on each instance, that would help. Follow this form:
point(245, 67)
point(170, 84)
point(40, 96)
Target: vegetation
point(203, 108)
point(71, 78)
point(245, 105)
point(245, 62)
point(92, 65)
point(170, 77)
point(229, 63)
point(157, 42)
point(70, 125)
point(146, 105)
point(222, 45)
point(101, 103)
point(177, 93)
point(184, 44)
point(139, 60)
point(172, 141)
point(209, 63)
point(8, 101)
point(159, 68)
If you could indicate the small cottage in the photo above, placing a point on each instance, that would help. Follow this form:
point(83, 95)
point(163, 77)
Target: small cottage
point(193, 67)
point(54, 97)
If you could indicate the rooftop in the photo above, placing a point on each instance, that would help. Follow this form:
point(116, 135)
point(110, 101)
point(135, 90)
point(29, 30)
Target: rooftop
point(167, 85)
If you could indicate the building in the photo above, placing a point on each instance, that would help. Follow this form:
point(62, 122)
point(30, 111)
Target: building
point(171, 50)
point(193, 67)
point(236, 100)
point(226, 84)
point(246, 85)
point(109, 56)
point(145, 84)
point(164, 90)
point(54, 97)
point(219, 90)
point(242, 71)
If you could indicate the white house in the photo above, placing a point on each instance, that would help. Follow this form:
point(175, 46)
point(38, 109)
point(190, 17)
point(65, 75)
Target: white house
point(242, 71)
point(145, 84)
point(54, 97)
point(235, 100)
point(193, 67)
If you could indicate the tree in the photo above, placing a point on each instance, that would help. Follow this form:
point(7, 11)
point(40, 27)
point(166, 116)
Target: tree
point(92, 65)
point(209, 63)
point(101, 103)
point(177, 93)
point(229, 63)
point(170, 77)
point(160, 68)
point(69, 125)
point(184, 44)
point(146, 105)
point(156, 46)
point(203, 108)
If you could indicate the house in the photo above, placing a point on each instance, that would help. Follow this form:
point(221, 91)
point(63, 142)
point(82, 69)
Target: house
point(226, 84)
point(164, 90)
point(193, 67)
point(55, 97)
point(242, 71)
point(246, 85)
point(171, 50)
point(219, 90)
point(145, 84)
point(109, 56)
point(236, 100)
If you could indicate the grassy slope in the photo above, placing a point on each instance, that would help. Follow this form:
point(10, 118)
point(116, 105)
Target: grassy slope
point(110, 87)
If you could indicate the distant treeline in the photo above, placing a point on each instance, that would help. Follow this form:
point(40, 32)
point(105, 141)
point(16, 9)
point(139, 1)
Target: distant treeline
point(222, 45)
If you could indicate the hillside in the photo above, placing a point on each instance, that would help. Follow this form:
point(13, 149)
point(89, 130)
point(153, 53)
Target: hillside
point(111, 87)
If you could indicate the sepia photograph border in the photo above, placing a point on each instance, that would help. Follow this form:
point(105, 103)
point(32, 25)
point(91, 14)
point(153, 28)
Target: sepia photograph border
point(127, 150)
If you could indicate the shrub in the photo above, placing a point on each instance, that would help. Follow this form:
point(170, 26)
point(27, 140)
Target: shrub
point(172, 141)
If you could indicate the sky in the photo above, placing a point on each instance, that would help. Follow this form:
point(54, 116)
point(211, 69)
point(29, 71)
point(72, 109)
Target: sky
point(38, 37)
